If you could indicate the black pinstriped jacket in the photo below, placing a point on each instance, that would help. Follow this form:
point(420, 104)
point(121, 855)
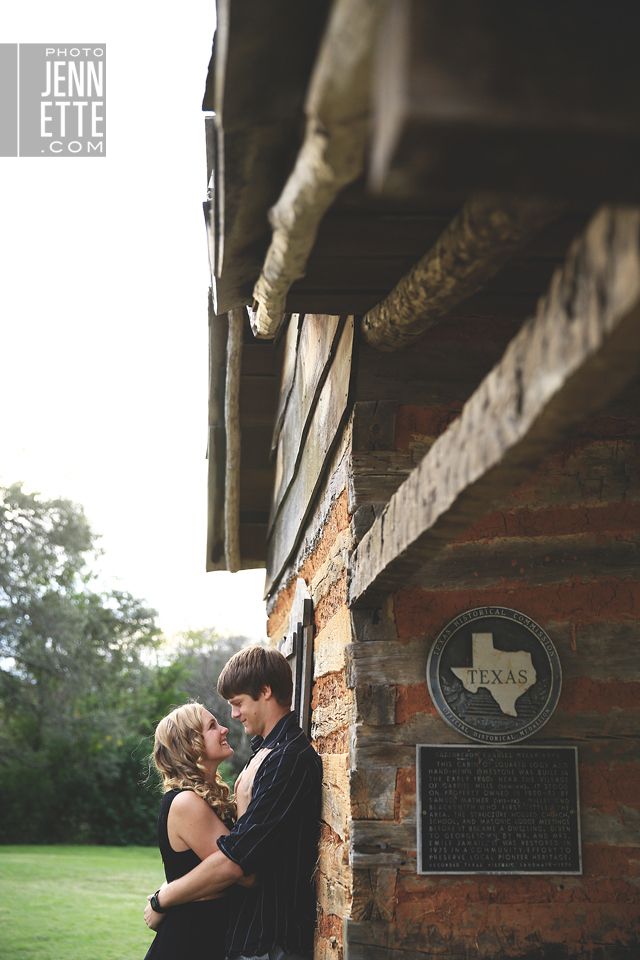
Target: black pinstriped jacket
point(278, 839)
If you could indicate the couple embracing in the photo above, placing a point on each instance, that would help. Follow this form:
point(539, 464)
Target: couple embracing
point(239, 872)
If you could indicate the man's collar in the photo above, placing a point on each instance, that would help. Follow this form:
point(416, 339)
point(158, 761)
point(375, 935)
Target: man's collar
point(275, 734)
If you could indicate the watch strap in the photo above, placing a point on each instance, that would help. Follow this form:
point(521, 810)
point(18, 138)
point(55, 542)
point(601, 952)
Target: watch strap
point(155, 903)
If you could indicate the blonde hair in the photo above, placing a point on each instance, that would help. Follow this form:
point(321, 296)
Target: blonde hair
point(178, 753)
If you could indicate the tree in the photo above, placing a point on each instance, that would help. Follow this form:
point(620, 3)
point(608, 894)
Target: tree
point(84, 679)
point(76, 695)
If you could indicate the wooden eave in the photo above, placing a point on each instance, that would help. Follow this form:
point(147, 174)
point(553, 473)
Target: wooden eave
point(578, 351)
point(256, 94)
point(258, 394)
point(356, 239)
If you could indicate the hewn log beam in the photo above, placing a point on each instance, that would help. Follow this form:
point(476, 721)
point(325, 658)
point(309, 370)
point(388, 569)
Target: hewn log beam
point(218, 331)
point(257, 100)
point(232, 429)
point(572, 357)
point(331, 156)
point(539, 99)
point(485, 234)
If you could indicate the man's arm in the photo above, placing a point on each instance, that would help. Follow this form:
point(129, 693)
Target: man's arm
point(281, 789)
point(213, 875)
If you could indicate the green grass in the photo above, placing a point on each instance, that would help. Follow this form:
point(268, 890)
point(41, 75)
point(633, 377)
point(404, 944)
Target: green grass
point(76, 903)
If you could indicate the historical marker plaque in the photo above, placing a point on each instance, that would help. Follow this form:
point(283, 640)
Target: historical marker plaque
point(498, 809)
point(494, 675)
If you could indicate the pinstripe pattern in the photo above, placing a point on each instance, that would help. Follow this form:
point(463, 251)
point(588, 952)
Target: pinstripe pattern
point(278, 838)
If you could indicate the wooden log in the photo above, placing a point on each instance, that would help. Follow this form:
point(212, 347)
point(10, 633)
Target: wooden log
point(257, 100)
point(375, 703)
point(319, 339)
point(364, 517)
point(486, 233)
point(290, 355)
point(334, 895)
point(376, 744)
point(374, 425)
point(368, 940)
point(579, 350)
point(538, 100)
point(232, 429)
point(375, 623)
point(601, 652)
point(323, 433)
point(620, 829)
point(373, 894)
point(351, 274)
point(535, 562)
point(333, 859)
point(382, 843)
point(380, 661)
point(343, 233)
point(332, 154)
point(331, 487)
point(258, 400)
point(435, 375)
point(216, 454)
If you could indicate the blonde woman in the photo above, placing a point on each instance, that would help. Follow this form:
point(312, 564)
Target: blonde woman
point(195, 811)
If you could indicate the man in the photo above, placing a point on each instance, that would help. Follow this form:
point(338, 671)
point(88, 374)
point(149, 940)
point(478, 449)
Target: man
point(277, 837)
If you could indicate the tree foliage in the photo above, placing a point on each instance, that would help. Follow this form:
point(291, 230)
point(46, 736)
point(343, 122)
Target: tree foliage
point(77, 699)
point(84, 678)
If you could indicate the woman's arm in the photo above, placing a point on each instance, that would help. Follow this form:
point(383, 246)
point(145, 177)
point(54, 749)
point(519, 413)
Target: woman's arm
point(193, 825)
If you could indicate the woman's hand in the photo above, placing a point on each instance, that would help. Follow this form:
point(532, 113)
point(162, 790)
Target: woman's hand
point(244, 783)
point(151, 918)
point(250, 881)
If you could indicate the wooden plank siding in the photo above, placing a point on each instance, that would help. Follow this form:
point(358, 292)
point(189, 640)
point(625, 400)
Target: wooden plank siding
point(318, 340)
point(313, 439)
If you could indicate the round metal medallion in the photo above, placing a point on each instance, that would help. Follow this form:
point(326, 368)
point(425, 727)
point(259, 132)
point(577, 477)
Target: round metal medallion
point(494, 675)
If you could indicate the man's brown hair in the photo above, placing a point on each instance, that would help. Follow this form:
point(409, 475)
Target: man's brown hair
point(254, 668)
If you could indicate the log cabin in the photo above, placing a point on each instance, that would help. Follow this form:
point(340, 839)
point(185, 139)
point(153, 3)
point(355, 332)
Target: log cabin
point(423, 220)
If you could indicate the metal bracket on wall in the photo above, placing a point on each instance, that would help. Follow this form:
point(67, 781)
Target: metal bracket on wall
point(297, 647)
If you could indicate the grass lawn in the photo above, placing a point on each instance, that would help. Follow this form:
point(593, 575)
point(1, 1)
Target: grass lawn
point(76, 903)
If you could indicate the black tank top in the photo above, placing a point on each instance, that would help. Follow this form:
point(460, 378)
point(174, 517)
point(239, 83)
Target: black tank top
point(176, 862)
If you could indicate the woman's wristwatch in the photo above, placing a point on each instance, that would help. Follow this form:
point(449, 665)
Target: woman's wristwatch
point(155, 903)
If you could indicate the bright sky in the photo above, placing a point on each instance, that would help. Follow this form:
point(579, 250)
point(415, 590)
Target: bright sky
point(103, 381)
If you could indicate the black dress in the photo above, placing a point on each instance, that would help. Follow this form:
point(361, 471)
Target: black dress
point(194, 930)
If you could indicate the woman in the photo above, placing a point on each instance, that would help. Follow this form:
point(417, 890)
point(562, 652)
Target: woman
point(196, 809)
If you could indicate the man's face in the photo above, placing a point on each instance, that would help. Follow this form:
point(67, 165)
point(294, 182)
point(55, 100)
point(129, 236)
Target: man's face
point(251, 713)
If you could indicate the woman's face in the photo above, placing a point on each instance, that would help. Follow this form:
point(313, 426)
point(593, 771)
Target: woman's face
point(216, 747)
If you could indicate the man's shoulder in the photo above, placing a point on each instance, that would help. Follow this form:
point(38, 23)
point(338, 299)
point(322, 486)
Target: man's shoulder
point(296, 749)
